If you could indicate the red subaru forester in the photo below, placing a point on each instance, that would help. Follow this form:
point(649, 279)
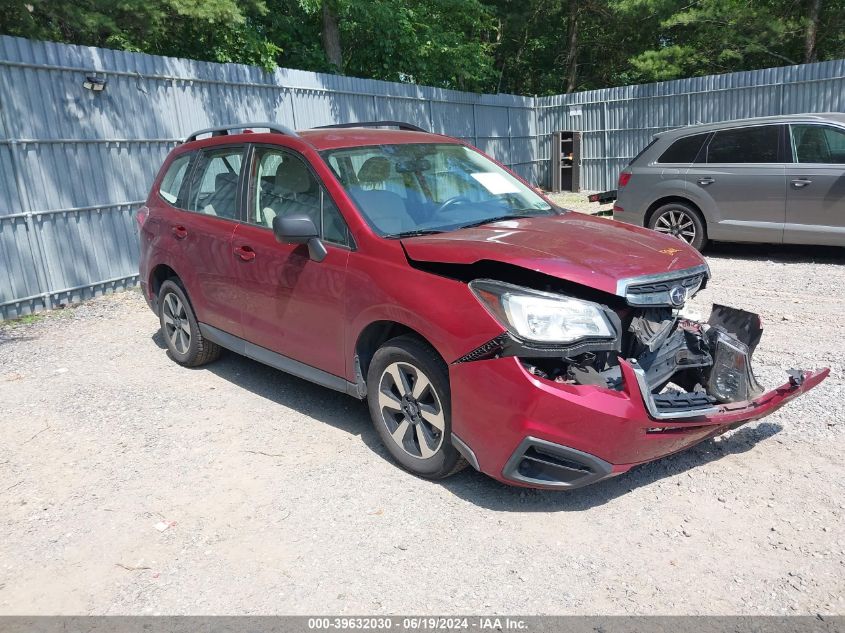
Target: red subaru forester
point(481, 323)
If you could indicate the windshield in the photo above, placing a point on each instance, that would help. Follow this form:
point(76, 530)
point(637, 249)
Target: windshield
point(412, 189)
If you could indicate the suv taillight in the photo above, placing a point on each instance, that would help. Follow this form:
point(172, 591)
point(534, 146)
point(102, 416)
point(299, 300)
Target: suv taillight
point(142, 215)
point(624, 177)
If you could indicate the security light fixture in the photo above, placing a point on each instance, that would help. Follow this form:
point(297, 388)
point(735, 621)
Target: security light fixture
point(95, 84)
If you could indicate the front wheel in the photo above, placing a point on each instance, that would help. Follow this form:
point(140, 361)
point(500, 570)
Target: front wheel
point(409, 399)
point(682, 221)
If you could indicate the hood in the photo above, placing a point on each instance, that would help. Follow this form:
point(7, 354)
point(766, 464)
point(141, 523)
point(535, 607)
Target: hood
point(579, 248)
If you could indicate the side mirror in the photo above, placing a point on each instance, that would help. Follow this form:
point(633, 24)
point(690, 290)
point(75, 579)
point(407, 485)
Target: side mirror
point(294, 229)
point(300, 229)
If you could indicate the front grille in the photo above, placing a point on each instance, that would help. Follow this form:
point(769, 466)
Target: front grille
point(656, 290)
point(671, 402)
point(692, 284)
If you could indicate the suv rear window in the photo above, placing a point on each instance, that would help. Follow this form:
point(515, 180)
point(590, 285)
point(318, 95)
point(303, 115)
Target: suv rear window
point(684, 150)
point(745, 145)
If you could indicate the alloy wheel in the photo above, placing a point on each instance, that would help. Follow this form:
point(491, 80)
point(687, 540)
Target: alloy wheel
point(411, 410)
point(176, 326)
point(678, 223)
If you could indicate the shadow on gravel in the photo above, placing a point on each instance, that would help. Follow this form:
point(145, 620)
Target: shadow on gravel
point(781, 253)
point(350, 415)
point(491, 494)
point(325, 405)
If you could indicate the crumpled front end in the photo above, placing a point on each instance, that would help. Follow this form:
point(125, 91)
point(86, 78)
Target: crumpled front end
point(591, 410)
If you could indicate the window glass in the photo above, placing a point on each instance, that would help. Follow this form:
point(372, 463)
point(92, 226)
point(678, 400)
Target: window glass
point(818, 144)
point(684, 150)
point(214, 186)
point(171, 184)
point(428, 187)
point(642, 151)
point(745, 145)
point(284, 185)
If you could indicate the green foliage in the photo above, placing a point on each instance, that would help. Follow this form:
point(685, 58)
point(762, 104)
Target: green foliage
point(434, 42)
point(525, 47)
point(716, 36)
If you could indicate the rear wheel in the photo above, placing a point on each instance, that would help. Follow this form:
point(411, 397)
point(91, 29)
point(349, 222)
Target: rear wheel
point(409, 400)
point(180, 328)
point(680, 220)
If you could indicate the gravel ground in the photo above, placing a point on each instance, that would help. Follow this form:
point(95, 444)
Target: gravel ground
point(275, 497)
point(578, 202)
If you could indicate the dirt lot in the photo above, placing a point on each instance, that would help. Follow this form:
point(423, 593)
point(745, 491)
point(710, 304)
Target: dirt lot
point(277, 498)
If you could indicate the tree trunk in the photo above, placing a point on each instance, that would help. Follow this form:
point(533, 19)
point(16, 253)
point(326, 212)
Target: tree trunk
point(330, 36)
point(572, 47)
point(813, 11)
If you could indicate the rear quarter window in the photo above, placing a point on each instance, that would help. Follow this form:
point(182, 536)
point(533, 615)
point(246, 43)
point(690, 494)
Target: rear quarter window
point(684, 150)
point(173, 180)
point(642, 151)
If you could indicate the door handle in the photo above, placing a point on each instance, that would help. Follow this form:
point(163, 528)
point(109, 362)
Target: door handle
point(799, 183)
point(245, 253)
point(179, 232)
point(706, 181)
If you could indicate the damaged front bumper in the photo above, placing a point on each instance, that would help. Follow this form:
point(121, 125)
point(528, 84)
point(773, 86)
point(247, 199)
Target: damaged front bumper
point(560, 433)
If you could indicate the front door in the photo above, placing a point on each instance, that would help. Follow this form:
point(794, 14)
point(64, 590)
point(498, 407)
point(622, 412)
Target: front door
point(203, 232)
point(743, 179)
point(815, 199)
point(291, 304)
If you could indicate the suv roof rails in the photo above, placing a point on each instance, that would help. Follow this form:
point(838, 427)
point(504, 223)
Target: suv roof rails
point(397, 124)
point(223, 130)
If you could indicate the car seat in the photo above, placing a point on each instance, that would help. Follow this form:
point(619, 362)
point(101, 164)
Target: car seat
point(385, 210)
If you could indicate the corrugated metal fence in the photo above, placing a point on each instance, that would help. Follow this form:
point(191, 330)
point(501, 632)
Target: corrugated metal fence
point(618, 122)
point(75, 164)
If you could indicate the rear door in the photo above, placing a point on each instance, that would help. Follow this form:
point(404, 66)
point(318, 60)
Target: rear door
point(203, 236)
point(743, 181)
point(291, 304)
point(815, 198)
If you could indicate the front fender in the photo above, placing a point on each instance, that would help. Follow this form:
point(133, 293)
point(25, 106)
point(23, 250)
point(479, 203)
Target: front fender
point(443, 311)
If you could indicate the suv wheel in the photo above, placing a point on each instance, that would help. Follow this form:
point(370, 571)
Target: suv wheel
point(180, 328)
point(408, 395)
point(682, 221)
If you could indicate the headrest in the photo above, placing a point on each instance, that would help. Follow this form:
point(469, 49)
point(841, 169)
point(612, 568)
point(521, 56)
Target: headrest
point(293, 176)
point(224, 180)
point(374, 169)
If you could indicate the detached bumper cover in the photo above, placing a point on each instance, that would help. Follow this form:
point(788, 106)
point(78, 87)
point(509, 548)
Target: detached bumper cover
point(497, 404)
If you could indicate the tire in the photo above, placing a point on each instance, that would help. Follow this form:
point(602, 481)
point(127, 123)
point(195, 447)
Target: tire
point(425, 447)
point(180, 329)
point(680, 220)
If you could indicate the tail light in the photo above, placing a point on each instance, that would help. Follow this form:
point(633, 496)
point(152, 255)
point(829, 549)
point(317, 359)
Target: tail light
point(624, 177)
point(142, 215)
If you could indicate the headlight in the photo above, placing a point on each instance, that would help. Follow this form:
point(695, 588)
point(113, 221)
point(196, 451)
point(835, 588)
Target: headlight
point(543, 317)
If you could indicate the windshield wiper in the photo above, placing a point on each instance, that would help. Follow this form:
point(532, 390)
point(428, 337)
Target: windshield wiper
point(512, 216)
point(416, 233)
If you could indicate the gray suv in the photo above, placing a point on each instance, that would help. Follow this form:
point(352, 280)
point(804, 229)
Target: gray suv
point(771, 179)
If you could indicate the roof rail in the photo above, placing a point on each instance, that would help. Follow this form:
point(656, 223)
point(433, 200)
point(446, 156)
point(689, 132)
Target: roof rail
point(396, 124)
point(223, 130)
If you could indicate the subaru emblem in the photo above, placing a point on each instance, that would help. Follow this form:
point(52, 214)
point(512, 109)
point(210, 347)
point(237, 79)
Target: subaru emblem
point(677, 296)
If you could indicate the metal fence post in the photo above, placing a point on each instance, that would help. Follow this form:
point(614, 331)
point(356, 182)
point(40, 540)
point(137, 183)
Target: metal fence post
point(510, 139)
point(605, 143)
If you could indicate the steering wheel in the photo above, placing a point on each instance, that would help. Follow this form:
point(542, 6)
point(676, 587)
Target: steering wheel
point(450, 202)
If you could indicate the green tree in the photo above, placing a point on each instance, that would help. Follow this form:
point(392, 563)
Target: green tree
point(215, 30)
point(718, 36)
point(527, 47)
